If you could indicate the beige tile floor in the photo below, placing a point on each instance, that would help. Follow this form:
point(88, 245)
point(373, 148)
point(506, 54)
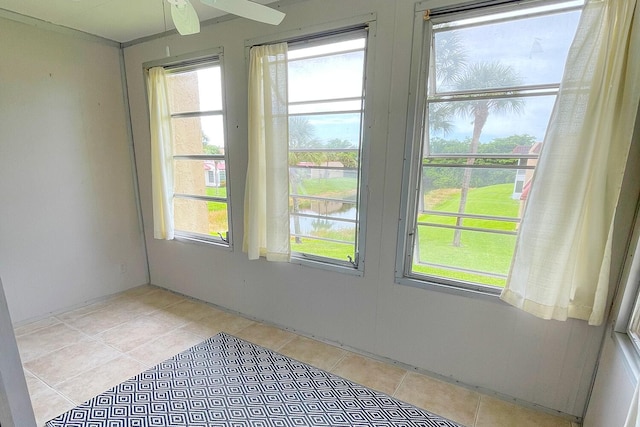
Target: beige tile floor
point(71, 357)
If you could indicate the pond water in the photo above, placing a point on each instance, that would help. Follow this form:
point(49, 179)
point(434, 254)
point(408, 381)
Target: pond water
point(308, 225)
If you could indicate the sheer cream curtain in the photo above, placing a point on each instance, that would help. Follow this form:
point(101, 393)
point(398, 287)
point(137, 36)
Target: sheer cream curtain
point(161, 154)
point(563, 254)
point(266, 201)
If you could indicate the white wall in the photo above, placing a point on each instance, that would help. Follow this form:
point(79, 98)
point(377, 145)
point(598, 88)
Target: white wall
point(479, 341)
point(68, 218)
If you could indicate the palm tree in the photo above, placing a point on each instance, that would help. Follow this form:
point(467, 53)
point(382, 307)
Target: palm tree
point(440, 118)
point(301, 132)
point(479, 76)
point(449, 57)
point(451, 71)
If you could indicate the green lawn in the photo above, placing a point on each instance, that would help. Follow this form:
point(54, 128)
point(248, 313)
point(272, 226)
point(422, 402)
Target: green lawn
point(216, 192)
point(323, 248)
point(218, 219)
point(481, 251)
point(338, 188)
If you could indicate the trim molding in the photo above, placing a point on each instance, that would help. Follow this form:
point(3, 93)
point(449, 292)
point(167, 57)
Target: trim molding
point(49, 26)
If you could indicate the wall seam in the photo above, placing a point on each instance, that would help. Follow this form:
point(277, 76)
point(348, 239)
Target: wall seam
point(132, 157)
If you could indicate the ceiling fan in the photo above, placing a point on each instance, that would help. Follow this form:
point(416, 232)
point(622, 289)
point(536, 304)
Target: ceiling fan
point(186, 19)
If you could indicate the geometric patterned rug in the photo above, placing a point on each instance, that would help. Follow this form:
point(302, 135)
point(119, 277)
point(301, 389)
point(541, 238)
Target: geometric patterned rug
point(226, 381)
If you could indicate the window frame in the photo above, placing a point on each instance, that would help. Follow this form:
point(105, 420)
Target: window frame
point(192, 62)
point(629, 310)
point(626, 299)
point(317, 35)
point(427, 14)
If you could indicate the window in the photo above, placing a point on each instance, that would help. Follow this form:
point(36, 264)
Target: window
point(487, 84)
point(629, 314)
point(326, 117)
point(200, 191)
point(634, 326)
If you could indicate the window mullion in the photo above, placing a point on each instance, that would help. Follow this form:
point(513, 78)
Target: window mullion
point(202, 198)
point(192, 114)
point(219, 157)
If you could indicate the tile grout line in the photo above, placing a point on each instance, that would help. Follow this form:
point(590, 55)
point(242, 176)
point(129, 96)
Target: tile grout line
point(53, 389)
point(25, 361)
point(293, 337)
point(340, 359)
point(477, 414)
point(84, 336)
point(137, 316)
point(400, 383)
point(93, 338)
point(17, 333)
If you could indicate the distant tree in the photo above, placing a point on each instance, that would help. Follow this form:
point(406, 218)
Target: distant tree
point(449, 146)
point(348, 159)
point(504, 145)
point(442, 177)
point(482, 75)
point(339, 143)
point(507, 145)
point(209, 149)
point(437, 178)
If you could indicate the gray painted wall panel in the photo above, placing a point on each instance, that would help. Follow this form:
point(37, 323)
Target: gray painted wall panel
point(68, 218)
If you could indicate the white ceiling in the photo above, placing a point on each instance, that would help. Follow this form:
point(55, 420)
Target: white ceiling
point(118, 20)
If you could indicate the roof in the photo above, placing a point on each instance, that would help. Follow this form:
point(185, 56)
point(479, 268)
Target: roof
point(210, 165)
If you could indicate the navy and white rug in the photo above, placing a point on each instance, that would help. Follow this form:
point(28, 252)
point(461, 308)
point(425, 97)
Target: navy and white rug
point(226, 381)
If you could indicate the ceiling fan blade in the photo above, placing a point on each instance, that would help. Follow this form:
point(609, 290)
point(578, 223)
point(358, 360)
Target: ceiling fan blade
point(184, 17)
point(248, 9)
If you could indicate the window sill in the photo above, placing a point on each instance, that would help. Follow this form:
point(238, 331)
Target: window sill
point(209, 243)
point(327, 266)
point(630, 355)
point(482, 293)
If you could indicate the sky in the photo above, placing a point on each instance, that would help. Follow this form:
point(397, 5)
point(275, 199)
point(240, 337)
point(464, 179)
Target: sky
point(210, 93)
point(339, 76)
point(311, 78)
point(536, 49)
